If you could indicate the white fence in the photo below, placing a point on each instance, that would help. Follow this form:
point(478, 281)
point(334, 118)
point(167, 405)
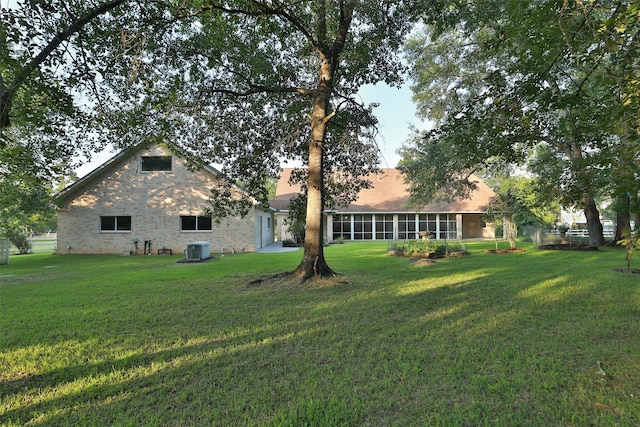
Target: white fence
point(43, 244)
point(40, 244)
point(4, 250)
point(607, 232)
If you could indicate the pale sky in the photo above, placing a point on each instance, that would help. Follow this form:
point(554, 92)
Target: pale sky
point(396, 114)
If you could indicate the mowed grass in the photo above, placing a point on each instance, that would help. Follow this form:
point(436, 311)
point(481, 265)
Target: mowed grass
point(534, 338)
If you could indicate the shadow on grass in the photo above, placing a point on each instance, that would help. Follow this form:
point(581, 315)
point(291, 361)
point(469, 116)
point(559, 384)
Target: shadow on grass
point(511, 340)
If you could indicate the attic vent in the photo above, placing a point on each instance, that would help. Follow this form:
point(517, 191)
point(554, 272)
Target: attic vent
point(156, 163)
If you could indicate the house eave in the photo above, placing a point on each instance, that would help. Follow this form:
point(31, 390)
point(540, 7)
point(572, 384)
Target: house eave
point(76, 187)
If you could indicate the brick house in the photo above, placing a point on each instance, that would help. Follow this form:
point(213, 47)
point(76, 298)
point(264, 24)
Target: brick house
point(381, 213)
point(148, 198)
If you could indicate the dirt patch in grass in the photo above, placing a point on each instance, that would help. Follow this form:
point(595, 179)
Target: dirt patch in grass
point(289, 280)
point(627, 270)
point(504, 251)
point(568, 247)
point(423, 262)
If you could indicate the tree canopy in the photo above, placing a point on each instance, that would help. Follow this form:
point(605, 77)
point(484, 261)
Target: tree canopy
point(515, 80)
point(243, 84)
point(50, 97)
point(50, 88)
point(247, 84)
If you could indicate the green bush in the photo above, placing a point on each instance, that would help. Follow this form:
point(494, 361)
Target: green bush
point(425, 248)
point(289, 243)
point(440, 250)
point(19, 240)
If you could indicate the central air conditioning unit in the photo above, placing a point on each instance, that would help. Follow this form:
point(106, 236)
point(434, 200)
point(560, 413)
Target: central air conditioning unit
point(198, 251)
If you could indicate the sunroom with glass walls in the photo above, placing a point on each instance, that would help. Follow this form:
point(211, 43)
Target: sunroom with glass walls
point(440, 226)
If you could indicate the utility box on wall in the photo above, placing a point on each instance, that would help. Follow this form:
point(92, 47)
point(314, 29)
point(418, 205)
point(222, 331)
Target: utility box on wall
point(197, 251)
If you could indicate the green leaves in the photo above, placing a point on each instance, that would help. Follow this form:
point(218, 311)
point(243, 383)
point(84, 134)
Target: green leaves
point(516, 80)
point(235, 82)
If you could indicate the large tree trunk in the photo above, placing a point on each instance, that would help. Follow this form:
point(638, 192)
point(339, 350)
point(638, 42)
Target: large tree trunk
point(313, 262)
point(591, 213)
point(594, 225)
point(623, 216)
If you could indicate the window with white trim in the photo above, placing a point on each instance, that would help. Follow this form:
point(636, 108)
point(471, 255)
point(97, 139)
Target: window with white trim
point(407, 227)
point(342, 227)
point(448, 226)
point(362, 227)
point(427, 223)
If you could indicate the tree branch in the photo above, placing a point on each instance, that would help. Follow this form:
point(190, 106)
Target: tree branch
point(24, 72)
point(262, 10)
point(346, 15)
point(256, 89)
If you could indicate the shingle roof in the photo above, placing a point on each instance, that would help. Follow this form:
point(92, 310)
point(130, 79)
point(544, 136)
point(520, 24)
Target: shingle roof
point(389, 194)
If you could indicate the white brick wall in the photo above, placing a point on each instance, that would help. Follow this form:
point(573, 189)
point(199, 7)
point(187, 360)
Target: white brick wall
point(155, 201)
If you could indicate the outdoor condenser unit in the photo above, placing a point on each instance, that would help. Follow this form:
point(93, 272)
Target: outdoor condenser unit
point(197, 251)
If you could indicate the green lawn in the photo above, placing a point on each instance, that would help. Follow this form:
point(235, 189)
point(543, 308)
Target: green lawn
point(534, 338)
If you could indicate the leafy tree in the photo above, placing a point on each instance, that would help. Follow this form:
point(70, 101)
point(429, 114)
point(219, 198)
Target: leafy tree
point(245, 84)
point(296, 217)
point(49, 71)
point(49, 98)
point(625, 173)
point(25, 198)
point(239, 83)
point(502, 212)
point(518, 78)
point(527, 200)
point(518, 205)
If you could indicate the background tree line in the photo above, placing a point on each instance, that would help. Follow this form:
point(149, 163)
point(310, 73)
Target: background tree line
point(247, 84)
point(547, 85)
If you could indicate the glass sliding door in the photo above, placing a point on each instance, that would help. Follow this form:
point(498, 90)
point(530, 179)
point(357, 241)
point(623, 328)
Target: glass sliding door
point(342, 227)
point(384, 227)
point(362, 227)
point(407, 227)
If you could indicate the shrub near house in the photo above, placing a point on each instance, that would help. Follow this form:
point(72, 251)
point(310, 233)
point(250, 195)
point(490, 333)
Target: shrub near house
point(426, 248)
